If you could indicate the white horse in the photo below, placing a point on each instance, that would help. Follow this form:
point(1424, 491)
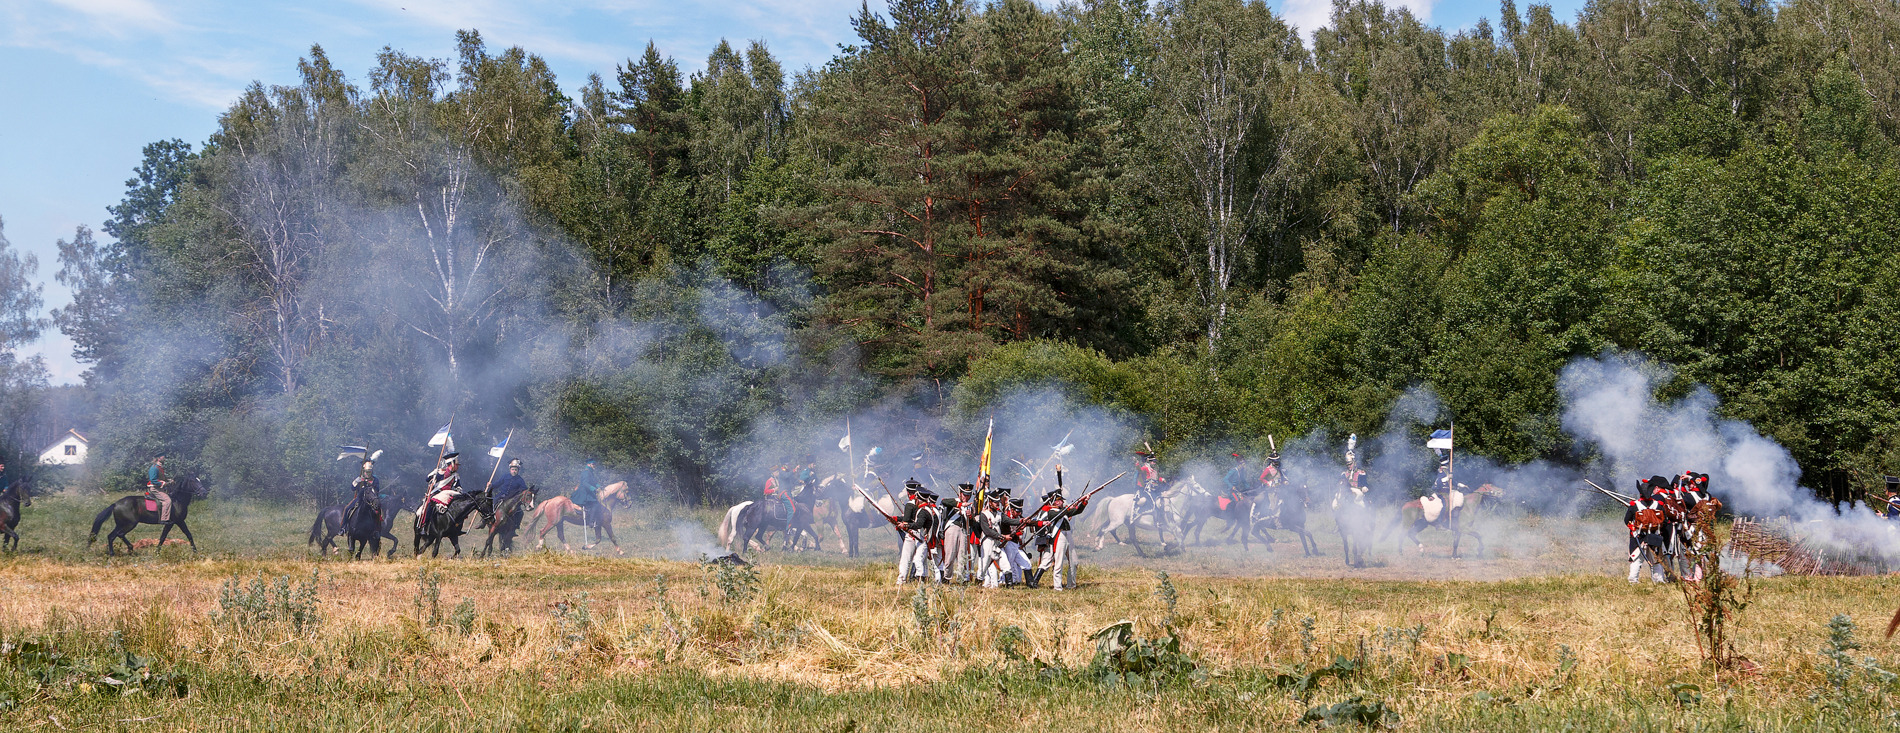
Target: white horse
point(729, 527)
point(1134, 510)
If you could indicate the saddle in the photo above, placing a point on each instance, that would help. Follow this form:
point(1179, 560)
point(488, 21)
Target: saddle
point(160, 503)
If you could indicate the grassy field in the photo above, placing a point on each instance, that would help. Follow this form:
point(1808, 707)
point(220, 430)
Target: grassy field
point(1539, 634)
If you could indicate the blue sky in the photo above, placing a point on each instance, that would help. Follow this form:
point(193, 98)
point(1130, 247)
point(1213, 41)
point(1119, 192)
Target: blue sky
point(85, 84)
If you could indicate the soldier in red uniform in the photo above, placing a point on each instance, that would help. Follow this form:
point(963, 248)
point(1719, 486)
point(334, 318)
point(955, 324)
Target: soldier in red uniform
point(1647, 521)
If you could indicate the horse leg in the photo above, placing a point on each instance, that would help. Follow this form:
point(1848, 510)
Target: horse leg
point(613, 539)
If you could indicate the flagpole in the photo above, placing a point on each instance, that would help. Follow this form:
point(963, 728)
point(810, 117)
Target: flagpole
point(497, 468)
point(850, 453)
point(448, 436)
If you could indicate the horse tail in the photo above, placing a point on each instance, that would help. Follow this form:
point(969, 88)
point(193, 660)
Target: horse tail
point(97, 522)
point(538, 511)
point(316, 528)
point(725, 529)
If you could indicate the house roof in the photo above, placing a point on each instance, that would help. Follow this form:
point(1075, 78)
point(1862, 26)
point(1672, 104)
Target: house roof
point(74, 434)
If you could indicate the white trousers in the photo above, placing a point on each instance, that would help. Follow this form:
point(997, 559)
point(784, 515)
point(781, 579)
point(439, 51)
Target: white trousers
point(912, 557)
point(1014, 561)
point(958, 554)
point(1061, 557)
point(994, 566)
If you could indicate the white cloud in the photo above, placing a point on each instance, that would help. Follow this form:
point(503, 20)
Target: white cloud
point(1311, 15)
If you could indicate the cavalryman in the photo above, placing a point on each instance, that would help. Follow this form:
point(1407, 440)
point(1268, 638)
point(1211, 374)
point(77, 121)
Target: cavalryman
point(1236, 478)
point(509, 486)
point(364, 489)
point(1052, 540)
point(1647, 521)
point(445, 486)
point(1271, 474)
point(587, 493)
point(1147, 478)
point(155, 478)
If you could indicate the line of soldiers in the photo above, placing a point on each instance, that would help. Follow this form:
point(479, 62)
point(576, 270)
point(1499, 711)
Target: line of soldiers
point(1665, 524)
point(981, 533)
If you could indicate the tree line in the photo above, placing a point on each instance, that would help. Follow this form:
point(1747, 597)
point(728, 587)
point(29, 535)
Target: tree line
point(1182, 210)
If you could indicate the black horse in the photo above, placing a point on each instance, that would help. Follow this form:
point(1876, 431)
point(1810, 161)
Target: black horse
point(446, 523)
point(791, 519)
point(508, 522)
point(1284, 508)
point(130, 512)
point(15, 495)
point(329, 524)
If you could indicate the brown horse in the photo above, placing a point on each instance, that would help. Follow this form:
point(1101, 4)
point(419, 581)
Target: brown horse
point(1446, 514)
point(558, 512)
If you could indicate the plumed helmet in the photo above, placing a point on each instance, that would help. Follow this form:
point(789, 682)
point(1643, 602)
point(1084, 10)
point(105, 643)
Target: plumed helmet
point(1052, 494)
point(514, 463)
point(913, 485)
point(451, 458)
point(965, 489)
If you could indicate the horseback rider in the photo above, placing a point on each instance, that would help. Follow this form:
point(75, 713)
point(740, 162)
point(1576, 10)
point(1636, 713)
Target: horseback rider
point(1236, 478)
point(509, 486)
point(445, 486)
point(366, 488)
point(155, 478)
point(1647, 520)
point(586, 494)
point(1052, 542)
point(1270, 474)
point(1148, 478)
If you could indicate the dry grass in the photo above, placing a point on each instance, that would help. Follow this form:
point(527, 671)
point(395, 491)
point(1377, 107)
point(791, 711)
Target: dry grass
point(579, 641)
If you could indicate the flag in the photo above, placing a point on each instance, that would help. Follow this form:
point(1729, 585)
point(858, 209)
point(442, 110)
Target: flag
point(984, 470)
point(1441, 440)
point(844, 443)
point(441, 437)
point(500, 448)
point(353, 450)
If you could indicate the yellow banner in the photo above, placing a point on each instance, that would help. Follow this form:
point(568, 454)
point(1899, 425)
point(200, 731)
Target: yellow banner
point(985, 470)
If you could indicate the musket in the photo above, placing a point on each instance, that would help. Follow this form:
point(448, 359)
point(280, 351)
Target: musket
point(1085, 497)
point(1609, 493)
point(880, 510)
point(887, 490)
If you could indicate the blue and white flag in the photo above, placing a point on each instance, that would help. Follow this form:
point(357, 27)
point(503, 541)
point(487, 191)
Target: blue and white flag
point(353, 451)
point(441, 436)
point(501, 447)
point(1441, 440)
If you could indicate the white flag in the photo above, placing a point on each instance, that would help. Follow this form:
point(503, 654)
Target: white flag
point(1441, 440)
point(844, 444)
point(500, 448)
point(441, 437)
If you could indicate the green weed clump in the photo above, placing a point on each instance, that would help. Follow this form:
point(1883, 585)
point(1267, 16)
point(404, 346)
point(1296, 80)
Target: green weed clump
point(1854, 684)
point(272, 603)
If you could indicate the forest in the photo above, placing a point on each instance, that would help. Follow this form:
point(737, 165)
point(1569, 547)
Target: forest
point(1186, 213)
